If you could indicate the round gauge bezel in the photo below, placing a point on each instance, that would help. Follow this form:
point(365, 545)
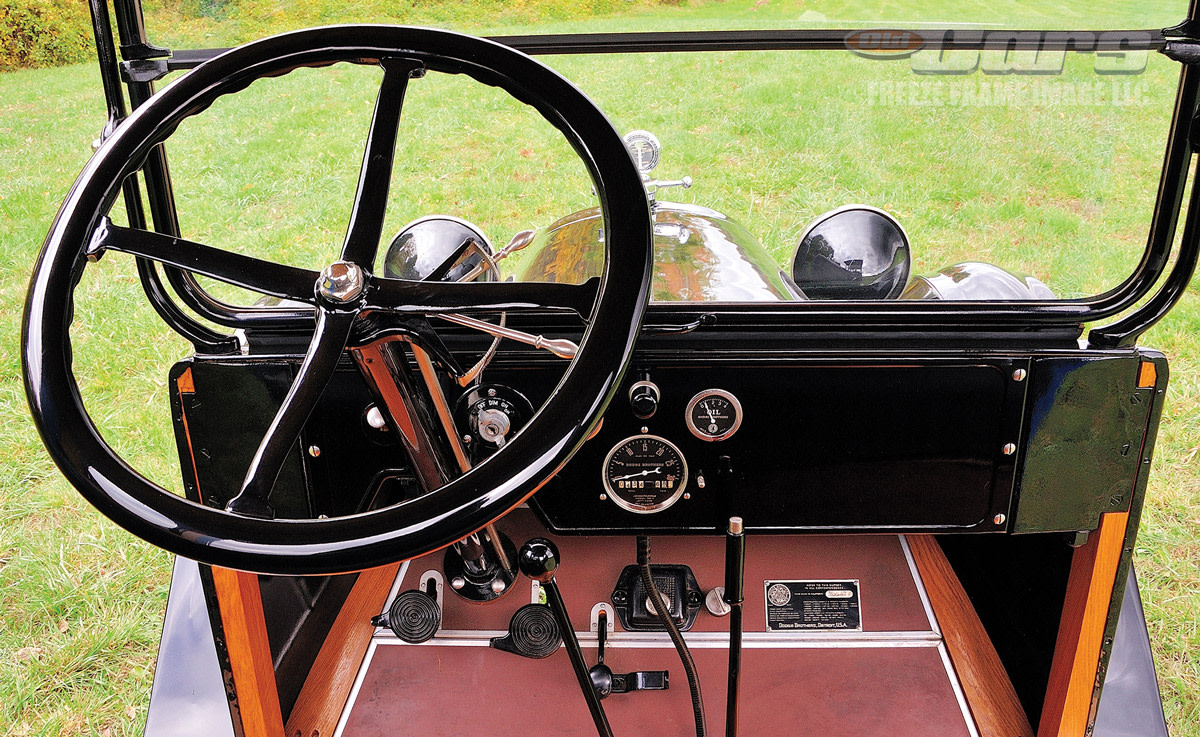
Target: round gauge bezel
point(652, 145)
point(701, 396)
point(629, 506)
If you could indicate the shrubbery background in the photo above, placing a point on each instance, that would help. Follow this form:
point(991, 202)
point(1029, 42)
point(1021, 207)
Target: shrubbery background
point(42, 33)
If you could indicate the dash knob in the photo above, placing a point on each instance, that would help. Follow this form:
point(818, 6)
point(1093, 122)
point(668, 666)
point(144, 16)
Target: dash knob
point(538, 559)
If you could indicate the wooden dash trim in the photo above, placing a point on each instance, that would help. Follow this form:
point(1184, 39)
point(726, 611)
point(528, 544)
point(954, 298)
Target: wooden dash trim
point(245, 627)
point(988, 689)
point(1147, 375)
point(187, 386)
point(1081, 630)
point(324, 694)
point(185, 383)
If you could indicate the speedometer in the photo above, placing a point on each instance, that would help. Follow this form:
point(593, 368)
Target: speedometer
point(644, 474)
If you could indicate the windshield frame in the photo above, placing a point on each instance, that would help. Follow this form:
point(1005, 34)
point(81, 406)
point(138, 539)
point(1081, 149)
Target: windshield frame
point(144, 63)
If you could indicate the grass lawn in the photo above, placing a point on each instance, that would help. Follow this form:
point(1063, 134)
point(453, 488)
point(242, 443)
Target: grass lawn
point(1049, 176)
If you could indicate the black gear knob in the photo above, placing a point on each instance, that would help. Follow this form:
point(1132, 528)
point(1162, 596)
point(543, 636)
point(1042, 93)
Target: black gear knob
point(538, 559)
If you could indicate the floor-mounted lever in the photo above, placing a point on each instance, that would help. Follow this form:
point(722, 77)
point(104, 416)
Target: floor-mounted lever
point(538, 559)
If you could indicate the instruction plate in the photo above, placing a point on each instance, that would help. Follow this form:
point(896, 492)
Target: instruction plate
point(812, 605)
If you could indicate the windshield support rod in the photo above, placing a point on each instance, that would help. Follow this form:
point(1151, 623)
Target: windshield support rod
point(799, 39)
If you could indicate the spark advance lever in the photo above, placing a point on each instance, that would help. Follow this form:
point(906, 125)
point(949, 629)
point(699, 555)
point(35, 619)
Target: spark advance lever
point(607, 683)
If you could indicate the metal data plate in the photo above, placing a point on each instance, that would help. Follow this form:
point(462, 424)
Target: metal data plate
point(813, 605)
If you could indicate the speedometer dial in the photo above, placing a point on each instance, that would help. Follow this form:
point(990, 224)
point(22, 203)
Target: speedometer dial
point(644, 474)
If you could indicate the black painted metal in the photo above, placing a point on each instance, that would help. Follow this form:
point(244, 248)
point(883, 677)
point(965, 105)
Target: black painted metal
point(160, 194)
point(1016, 584)
point(106, 53)
point(1085, 414)
point(131, 26)
point(1127, 330)
point(161, 197)
point(1162, 228)
point(358, 466)
point(203, 338)
point(875, 442)
point(405, 529)
point(1077, 408)
point(300, 612)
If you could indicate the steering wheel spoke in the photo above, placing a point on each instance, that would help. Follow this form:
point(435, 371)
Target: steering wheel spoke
point(265, 277)
point(405, 295)
point(333, 330)
point(374, 178)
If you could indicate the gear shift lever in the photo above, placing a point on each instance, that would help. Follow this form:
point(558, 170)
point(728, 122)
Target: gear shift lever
point(538, 559)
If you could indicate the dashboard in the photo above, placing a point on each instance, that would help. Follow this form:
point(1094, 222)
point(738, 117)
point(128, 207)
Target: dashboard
point(789, 440)
point(799, 444)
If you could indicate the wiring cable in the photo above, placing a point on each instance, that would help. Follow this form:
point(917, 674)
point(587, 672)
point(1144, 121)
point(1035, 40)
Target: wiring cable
point(664, 616)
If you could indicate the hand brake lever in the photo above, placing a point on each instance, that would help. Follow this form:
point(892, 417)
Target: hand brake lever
point(538, 559)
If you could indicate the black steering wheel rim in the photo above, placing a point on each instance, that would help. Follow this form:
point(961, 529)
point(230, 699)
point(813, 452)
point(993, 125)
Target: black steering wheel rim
point(403, 530)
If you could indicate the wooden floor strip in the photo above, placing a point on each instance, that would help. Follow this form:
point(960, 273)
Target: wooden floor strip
point(242, 619)
point(989, 691)
point(1081, 630)
point(328, 685)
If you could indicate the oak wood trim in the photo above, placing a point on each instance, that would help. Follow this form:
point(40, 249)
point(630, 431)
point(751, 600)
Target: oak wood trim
point(328, 685)
point(185, 382)
point(240, 601)
point(989, 691)
point(1081, 630)
point(1147, 375)
point(187, 385)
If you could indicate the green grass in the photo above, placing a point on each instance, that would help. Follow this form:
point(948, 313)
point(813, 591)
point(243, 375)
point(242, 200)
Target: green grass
point(1061, 191)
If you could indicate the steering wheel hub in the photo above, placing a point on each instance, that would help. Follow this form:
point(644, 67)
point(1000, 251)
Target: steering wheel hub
point(341, 282)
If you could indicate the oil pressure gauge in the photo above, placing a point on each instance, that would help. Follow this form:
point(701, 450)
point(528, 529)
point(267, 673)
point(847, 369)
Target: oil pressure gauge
point(714, 414)
point(644, 474)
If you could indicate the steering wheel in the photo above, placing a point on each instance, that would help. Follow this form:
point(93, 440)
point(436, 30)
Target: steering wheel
point(242, 535)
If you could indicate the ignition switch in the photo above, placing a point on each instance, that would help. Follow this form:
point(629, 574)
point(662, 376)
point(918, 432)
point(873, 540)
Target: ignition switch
point(489, 415)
